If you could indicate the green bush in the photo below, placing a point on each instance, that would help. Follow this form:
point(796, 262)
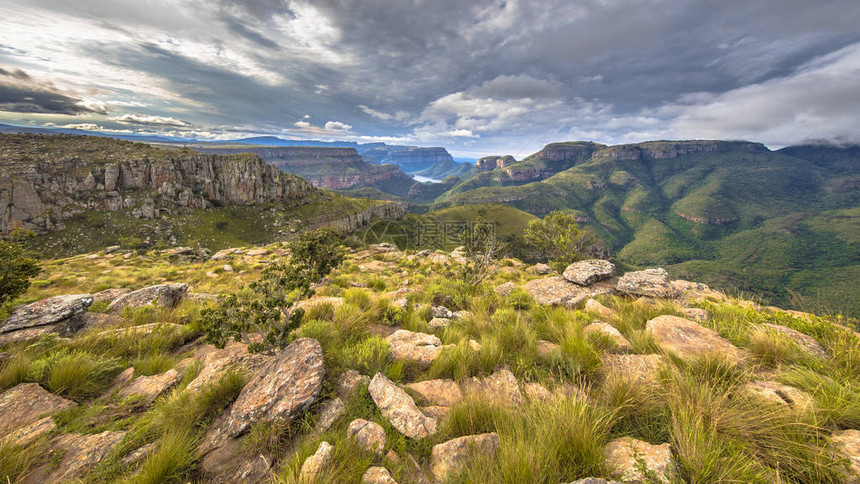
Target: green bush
point(17, 267)
point(368, 356)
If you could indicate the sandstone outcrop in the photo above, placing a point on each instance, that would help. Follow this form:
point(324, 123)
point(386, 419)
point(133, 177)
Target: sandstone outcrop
point(445, 393)
point(848, 441)
point(557, 291)
point(601, 329)
point(150, 387)
point(779, 394)
point(314, 465)
point(805, 342)
point(418, 347)
point(377, 475)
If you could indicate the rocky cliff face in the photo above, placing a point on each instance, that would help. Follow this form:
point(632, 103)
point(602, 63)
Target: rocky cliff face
point(45, 180)
point(670, 149)
point(409, 158)
point(489, 163)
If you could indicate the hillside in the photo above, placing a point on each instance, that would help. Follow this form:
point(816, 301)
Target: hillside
point(733, 214)
point(398, 372)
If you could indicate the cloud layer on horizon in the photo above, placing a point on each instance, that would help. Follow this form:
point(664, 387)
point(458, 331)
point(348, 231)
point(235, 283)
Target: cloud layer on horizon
point(500, 76)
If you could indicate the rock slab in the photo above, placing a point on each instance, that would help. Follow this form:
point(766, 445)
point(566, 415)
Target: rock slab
point(587, 272)
point(649, 283)
point(689, 340)
point(23, 404)
point(399, 408)
point(166, 295)
point(369, 435)
point(63, 311)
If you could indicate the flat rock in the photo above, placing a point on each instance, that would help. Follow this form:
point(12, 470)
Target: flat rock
point(601, 328)
point(445, 393)
point(557, 291)
point(779, 394)
point(151, 386)
point(313, 465)
point(166, 295)
point(638, 368)
point(592, 306)
point(422, 348)
point(81, 453)
point(500, 387)
point(282, 389)
point(368, 435)
point(452, 456)
point(587, 272)
point(627, 457)
point(377, 475)
point(650, 283)
point(399, 408)
point(25, 435)
point(689, 340)
point(63, 313)
point(804, 341)
point(216, 362)
point(848, 441)
point(24, 404)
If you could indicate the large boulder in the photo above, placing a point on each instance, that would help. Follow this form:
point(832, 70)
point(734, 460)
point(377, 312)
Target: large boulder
point(166, 295)
point(649, 283)
point(601, 329)
point(689, 340)
point(282, 389)
point(25, 404)
point(399, 408)
point(445, 393)
point(59, 314)
point(806, 343)
point(634, 460)
point(779, 394)
point(421, 348)
point(557, 291)
point(587, 272)
point(368, 435)
point(452, 456)
point(501, 387)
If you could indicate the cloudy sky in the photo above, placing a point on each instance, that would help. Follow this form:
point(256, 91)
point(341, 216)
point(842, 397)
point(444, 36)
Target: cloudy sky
point(478, 77)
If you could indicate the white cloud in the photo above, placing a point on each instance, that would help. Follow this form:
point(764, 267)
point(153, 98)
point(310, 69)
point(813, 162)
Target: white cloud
point(462, 133)
point(337, 126)
point(302, 124)
point(149, 120)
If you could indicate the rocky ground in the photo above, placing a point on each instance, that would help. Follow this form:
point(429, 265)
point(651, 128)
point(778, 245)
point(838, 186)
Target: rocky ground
point(399, 373)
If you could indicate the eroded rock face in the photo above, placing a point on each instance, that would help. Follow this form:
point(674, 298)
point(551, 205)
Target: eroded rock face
point(627, 457)
point(282, 389)
point(587, 272)
point(23, 404)
point(166, 295)
point(369, 435)
point(689, 340)
point(779, 394)
point(151, 386)
point(314, 465)
point(377, 475)
point(557, 291)
point(445, 393)
point(400, 409)
point(61, 314)
point(848, 441)
point(452, 456)
point(649, 283)
point(805, 342)
point(601, 328)
point(419, 347)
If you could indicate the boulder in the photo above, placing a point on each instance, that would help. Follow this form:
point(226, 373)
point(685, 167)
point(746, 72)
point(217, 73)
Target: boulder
point(441, 312)
point(26, 403)
point(500, 387)
point(541, 269)
point(695, 292)
point(110, 294)
point(779, 394)
point(166, 295)
point(689, 340)
point(536, 392)
point(587, 272)
point(330, 411)
point(649, 283)
point(505, 289)
point(81, 453)
point(696, 314)
point(368, 435)
point(592, 306)
point(439, 323)
point(601, 328)
point(59, 314)
point(377, 475)
point(628, 458)
point(848, 441)
point(150, 387)
point(399, 408)
point(557, 291)
point(445, 393)
point(282, 389)
point(257, 252)
point(313, 465)
point(452, 456)
point(804, 341)
point(638, 368)
point(546, 348)
point(422, 348)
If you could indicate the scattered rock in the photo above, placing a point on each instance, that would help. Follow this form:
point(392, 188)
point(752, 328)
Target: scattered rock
point(24, 404)
point(695, 292)
point(689, 340)
point(650, 283)
point(377, 475)
point(329, 413)
point(223, 254)
point(462, 314)
point(441, 312)
point(369, 435)
point(541, 269)
point(505, 289)
point(587, 272)
point(257, 252)
point(282, 389)
point(151, 386)
point(848, 441)
point(452, 456)
point(804, 341)
point(599, 327)
point(779, 394)
point(595, 307)
point(696, 314)
point(629, 457)
point(474, 345)
point(444, 393)
point(81, 453)
point(437, 323)
point(638, 368)
point(400, 409)
point(422, 348)
point(59, 314)
point(500, 387)
point(556, 291)
point(313, 465)
point(166, 295)
point(349, 382)
point(110, 294)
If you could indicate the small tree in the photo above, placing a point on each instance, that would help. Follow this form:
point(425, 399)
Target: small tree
point(267, 306)
point(17, 266)
point(482, 250)
point(558, 238)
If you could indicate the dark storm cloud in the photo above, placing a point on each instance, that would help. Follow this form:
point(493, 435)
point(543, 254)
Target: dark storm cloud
point(20, 93)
